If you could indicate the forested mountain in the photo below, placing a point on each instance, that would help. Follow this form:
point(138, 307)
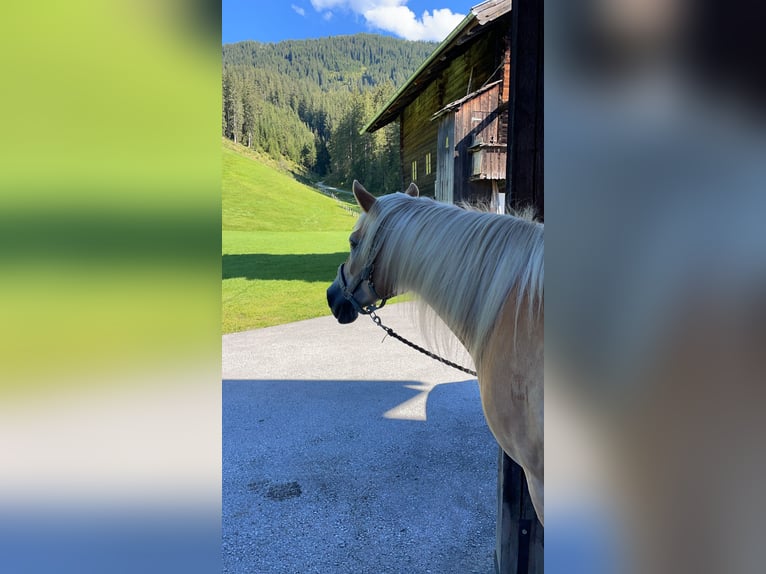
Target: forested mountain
point(307, 101)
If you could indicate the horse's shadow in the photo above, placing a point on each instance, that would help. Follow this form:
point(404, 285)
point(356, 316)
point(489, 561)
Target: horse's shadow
point(312, 267)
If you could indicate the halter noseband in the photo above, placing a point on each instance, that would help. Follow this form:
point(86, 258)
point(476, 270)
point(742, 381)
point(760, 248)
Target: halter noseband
point(348, 291)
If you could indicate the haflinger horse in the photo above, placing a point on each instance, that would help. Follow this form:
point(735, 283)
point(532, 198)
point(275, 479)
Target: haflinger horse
point(483, 275)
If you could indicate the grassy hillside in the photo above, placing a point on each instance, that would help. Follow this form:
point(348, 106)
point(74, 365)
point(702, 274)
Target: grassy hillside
point(258, 197)
point(282, 244)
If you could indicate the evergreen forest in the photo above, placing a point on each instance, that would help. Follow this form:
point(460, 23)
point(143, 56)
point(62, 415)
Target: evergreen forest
point(306, 101)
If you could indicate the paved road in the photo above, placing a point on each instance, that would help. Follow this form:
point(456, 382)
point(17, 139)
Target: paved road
point(345, 454)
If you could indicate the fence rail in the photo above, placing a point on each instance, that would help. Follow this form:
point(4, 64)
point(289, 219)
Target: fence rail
point(335, 193)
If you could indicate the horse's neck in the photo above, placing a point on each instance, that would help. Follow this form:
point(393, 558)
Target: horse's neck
point(433, 293)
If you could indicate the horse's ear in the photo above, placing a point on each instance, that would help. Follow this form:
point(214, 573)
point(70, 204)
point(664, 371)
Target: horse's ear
point(363, 197)
point(413, 190)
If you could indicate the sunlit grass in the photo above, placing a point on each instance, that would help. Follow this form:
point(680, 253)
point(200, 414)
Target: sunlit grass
point(271, 278)
point(281, 244)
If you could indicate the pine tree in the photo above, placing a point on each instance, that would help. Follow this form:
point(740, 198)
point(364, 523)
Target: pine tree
point(249, 107)
point(232, 105)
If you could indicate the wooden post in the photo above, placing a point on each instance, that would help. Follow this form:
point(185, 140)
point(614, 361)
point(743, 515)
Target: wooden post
point(524, 160)
point(520, 537)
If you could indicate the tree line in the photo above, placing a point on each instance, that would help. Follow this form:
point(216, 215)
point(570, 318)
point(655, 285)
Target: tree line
point(308, 100)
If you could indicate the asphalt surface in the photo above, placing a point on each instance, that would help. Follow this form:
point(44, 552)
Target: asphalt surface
point(343, 453)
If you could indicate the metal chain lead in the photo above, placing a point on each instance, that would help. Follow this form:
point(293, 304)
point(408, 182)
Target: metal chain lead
point(398, 337)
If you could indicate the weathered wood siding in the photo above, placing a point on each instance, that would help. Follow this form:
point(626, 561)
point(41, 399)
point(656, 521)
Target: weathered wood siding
point(478, 121)
point(467, 72)
point(445, 164)
point(419, 136)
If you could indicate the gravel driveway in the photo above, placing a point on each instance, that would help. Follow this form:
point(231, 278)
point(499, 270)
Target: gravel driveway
point(345, 454)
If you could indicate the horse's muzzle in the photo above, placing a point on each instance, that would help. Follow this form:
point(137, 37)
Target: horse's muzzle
point(341, 307)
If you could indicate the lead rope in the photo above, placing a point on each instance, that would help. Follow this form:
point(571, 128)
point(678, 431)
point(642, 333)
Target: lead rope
point(398, 337)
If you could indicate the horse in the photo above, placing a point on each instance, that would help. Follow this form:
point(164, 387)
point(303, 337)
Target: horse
point(483, 275)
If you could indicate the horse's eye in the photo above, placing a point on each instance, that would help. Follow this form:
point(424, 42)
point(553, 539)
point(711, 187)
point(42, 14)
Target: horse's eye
point(353, 243)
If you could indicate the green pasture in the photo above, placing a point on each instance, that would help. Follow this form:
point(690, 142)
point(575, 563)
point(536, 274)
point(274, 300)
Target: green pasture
point(282, 243)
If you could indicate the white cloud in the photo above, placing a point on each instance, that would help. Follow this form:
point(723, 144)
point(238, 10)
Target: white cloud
point(394, 16)
point(298, 9)
point(402, 21)
point(327, 16)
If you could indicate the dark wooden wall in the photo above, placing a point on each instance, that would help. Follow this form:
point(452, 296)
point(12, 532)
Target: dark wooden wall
point(525, 149)
point(419, 136)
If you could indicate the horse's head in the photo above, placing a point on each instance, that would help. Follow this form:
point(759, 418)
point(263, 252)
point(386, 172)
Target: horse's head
point(359, 285)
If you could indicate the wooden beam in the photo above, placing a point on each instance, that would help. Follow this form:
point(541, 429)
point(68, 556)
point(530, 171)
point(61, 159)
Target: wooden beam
point(520, 536)
point(525, 126)
point(506, 70)
point(519, 545)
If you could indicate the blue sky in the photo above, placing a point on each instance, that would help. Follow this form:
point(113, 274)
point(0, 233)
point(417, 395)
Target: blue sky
point(275, 20)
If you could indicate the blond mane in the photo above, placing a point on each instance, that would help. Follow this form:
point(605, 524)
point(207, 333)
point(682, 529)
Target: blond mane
point(463, 263)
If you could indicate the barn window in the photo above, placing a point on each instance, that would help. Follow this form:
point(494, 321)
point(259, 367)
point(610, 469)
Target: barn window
point(428, 163)
point(415, 170)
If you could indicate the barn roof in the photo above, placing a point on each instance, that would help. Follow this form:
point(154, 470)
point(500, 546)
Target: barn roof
point(452, 46)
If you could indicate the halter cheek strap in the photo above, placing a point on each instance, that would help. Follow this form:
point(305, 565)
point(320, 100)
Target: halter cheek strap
point(349, 290)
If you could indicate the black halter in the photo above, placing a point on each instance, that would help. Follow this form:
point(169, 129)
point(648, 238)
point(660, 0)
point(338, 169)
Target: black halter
point(348, 291)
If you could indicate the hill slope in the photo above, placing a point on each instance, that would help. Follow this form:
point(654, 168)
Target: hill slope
point(282, 244)
point(337, 62)
point(257, 197)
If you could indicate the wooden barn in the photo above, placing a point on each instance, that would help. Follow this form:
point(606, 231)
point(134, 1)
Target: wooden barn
point(453, 111)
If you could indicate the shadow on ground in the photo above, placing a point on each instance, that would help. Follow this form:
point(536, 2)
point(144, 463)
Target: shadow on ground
point(317, 479)
point(303, 267)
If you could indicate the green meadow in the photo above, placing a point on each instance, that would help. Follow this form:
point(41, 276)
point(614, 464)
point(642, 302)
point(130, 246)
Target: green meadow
point(282, 243)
